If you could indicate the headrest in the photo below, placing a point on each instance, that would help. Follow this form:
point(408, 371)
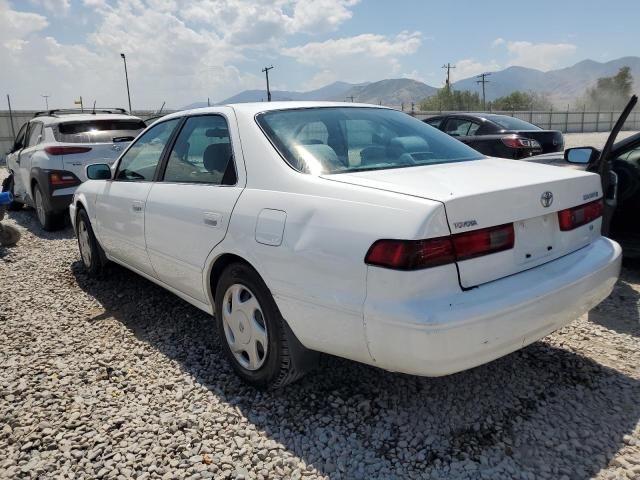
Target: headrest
point(318, 158)
point(409, 144)
point(216, 157)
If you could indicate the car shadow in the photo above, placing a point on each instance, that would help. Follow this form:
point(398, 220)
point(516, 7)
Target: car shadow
point(626, 302)
point(542, 410)
point(26, 218)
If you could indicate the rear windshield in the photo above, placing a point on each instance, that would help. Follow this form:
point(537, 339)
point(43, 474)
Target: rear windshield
point(348, 139)
point(510, 123)
point(98, 131)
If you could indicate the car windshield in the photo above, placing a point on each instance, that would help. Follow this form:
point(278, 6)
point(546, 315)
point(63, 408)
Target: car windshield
point(511, 123)
point(347, 139)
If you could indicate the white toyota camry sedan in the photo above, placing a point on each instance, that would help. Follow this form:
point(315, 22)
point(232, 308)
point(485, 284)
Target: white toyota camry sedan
point(353, 230)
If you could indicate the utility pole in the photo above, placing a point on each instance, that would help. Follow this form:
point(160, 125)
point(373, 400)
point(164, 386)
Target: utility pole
point(13, 129)
point(126, 76)
point(46, 100)
point(208, 102)
point(266, 73)
point(483, 80)
point(350, 97)
point(448, 67)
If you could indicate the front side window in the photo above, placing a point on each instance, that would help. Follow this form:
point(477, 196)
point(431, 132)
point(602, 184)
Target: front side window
point(20, 138)
point(357, 138)
point(140, 161)
point(202, 153)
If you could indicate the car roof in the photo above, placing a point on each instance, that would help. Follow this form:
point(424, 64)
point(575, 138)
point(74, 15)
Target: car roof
point(81, 117)
point(253, 108)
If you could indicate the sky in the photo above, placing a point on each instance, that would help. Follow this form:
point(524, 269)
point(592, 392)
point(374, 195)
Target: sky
point(182, 51)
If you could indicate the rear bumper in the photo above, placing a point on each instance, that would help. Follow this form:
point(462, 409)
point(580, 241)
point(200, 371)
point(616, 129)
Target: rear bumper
point(434, 337)
point(60, 202)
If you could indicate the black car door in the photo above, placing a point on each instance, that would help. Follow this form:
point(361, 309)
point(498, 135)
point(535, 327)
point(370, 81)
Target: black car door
point(601, 164)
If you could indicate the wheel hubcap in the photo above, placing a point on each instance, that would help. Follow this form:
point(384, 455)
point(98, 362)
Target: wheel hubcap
point(40, 207)
point(83, 243)
point(244, 325)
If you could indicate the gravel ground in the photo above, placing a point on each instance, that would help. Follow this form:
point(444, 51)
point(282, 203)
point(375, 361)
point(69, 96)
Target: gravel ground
point(120, 379)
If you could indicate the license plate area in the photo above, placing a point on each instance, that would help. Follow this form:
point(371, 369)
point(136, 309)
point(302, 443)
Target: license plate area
point(536, 238)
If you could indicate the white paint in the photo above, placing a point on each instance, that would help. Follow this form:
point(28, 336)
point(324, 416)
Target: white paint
point(419, 322)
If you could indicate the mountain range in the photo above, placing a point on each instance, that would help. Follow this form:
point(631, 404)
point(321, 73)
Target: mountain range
point(561, 86)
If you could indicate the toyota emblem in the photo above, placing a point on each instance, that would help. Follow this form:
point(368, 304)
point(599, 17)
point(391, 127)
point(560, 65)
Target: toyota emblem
point(546, 199)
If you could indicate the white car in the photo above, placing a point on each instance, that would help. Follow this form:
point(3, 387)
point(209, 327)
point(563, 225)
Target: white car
point(348, 229)
point(50, 153)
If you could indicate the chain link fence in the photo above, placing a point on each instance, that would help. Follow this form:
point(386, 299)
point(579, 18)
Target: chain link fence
point(569, 121)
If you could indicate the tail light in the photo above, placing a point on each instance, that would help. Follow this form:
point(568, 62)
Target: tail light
point(58, 150)
point(432, 252)
point(63, 179)
point(514, 141)
point(581, 215)
point(483, 242)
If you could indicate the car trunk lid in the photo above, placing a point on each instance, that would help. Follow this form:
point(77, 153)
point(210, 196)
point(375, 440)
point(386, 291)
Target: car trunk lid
point(490, 192)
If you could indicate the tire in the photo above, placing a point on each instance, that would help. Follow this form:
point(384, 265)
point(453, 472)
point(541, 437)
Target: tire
point(9, 235)
point(91, 253)
point(49, 221)
point(243, 299)
point(7, 186)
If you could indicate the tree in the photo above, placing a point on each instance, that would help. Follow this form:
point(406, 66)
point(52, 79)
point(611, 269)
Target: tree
point(610, 92)
point(448, 99)
point(519, 100)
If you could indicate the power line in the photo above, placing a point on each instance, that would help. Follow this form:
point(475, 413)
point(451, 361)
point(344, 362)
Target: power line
point(448, 66)
point(483, 80)
point(265, 70)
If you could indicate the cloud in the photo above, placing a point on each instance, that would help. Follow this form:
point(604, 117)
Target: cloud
point(16, 27)
point(542, 56)
point(177, 50)
point(57, 7)
point(359, 58)
point(468, 68)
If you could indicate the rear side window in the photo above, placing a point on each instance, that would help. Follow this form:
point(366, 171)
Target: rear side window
point(98, 131)
point(434, 122)
point(202, 153)
point(460, 127)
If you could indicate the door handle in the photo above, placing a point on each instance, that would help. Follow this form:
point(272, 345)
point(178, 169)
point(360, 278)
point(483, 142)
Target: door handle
point(137, 206)
point(212, 219)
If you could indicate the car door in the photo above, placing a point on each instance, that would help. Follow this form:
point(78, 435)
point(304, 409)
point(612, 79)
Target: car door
point(120, 207)
point(34, 137)
point(13, 162)
point(189, 207)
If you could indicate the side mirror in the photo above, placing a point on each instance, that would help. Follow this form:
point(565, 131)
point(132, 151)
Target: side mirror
point(580, 155)
point(99, 171)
